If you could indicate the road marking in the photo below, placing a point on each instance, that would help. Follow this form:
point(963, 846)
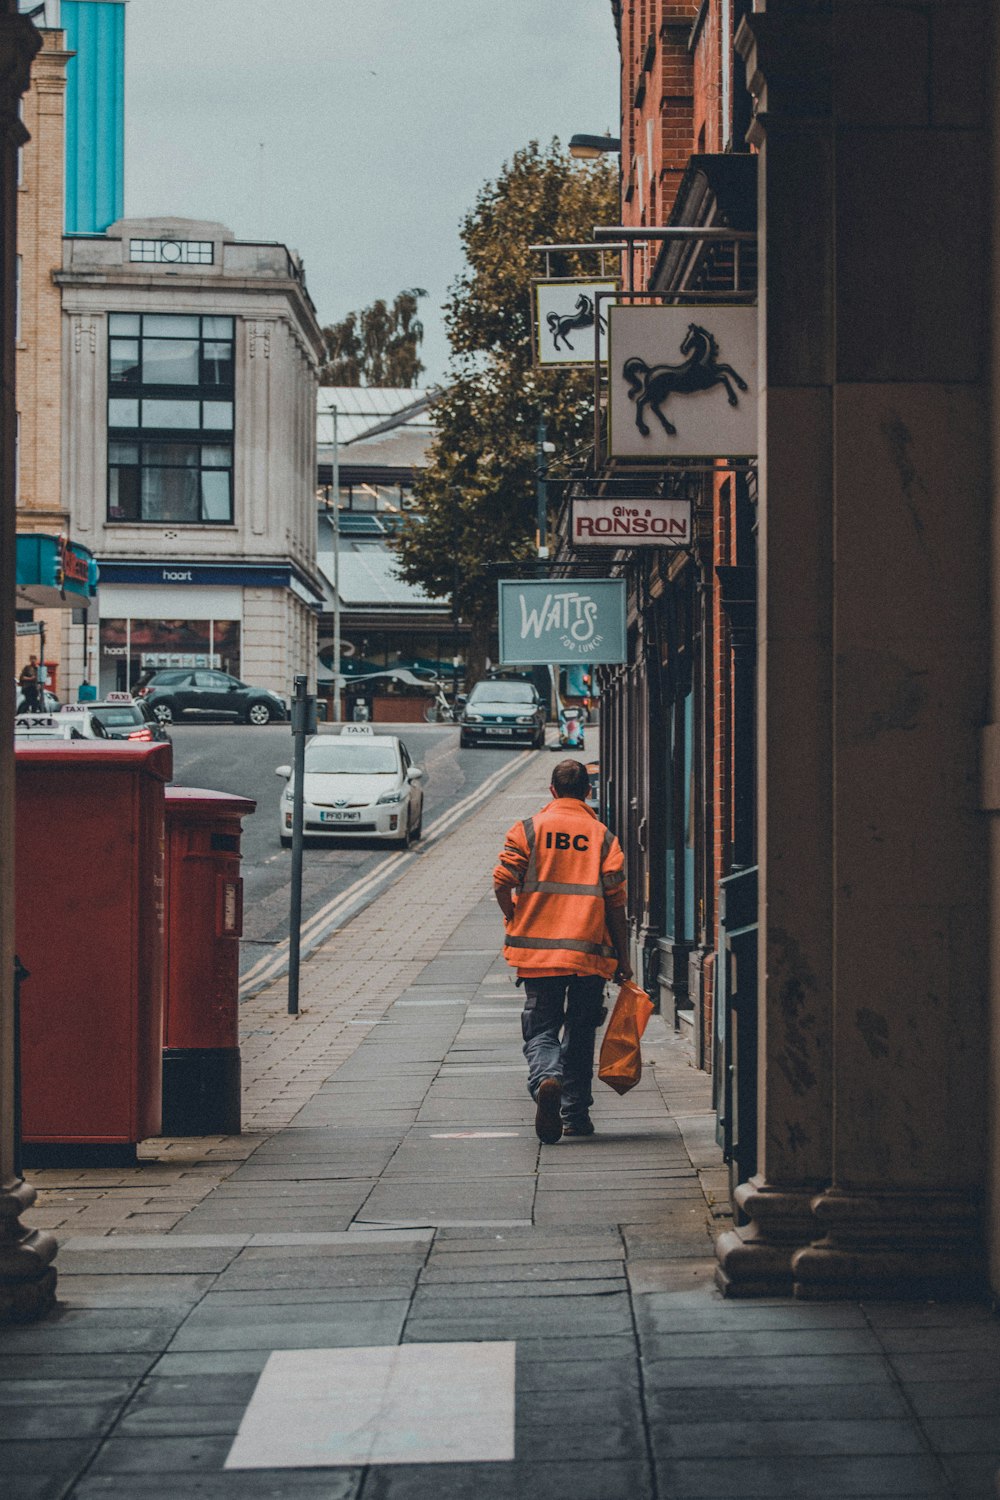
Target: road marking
point(341, 908)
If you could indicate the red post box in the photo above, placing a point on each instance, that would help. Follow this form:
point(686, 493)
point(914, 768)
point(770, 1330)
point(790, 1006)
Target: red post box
point(89, 931)
point(201, 1042)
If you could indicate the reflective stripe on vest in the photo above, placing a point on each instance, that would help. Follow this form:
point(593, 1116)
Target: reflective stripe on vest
point(572, 945)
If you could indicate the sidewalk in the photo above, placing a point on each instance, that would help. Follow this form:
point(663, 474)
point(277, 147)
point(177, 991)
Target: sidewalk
point(543, 1318)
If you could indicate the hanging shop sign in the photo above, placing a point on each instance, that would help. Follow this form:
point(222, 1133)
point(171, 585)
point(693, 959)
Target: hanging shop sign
point(568, 317)
point(682, 381)
point(631, 523)
point(560, 622)
point(53, 572)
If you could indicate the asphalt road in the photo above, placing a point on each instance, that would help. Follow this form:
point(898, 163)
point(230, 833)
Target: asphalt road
point(241, 759)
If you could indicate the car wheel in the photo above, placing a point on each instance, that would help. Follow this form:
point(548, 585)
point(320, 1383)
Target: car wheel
point(418, 831)
point(163, 713)
point(286, 843)
point(406, 837)
point(258, 713)
point(539, 740)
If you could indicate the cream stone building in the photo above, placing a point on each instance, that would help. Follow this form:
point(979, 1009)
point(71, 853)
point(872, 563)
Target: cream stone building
point(40, 192)
point(189, 368)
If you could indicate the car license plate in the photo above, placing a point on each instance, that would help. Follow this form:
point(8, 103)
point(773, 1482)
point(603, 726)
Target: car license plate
point(340, 817)
point(498, 731)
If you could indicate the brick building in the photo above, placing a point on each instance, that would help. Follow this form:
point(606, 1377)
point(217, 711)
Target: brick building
point(797, 738)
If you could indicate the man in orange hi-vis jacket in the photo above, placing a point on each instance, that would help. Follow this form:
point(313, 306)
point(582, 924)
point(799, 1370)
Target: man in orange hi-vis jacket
point(560, 884)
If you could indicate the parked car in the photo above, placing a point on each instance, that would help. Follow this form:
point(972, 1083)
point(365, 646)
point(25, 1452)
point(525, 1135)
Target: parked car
point(119, 718)
point(594, 795)
point(202, 692)
point(49, 703)
point(498, 711)
point(357, 784)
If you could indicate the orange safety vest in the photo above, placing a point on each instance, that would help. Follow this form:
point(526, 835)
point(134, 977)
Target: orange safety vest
point(562, 865)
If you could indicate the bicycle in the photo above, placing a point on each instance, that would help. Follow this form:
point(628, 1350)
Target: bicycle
point(440, 709)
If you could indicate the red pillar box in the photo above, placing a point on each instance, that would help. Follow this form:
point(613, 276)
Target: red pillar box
point(89, 932)
point(201, 1042)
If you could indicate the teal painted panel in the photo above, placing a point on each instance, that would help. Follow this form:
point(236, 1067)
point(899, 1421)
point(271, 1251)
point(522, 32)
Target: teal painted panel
point(95, 114)
point(555, 622)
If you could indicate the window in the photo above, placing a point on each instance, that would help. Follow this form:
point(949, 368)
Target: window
point(170, 418)
point(173, 252)
point(174, 482)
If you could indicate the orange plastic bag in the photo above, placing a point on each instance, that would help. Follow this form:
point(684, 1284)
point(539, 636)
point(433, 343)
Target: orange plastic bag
point(620, 1064)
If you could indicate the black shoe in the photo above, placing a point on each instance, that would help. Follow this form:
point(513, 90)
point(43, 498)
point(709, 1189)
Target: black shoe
point(548, 1125)
point(578, 1127)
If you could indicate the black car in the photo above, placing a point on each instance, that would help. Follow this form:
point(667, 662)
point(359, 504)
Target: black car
point(202, 692)
point(123, 721)
point(503, 712)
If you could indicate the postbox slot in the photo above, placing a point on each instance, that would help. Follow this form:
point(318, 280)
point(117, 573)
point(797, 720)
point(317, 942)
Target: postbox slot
point(225, 843)
point(229, 907)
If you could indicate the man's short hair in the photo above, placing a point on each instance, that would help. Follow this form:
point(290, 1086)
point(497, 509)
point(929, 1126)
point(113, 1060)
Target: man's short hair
point(570, 779)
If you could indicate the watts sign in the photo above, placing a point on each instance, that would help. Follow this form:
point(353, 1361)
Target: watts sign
point(559, 622)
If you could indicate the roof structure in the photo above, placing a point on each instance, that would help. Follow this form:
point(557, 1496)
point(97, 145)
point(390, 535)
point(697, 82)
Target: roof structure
point(369, 580)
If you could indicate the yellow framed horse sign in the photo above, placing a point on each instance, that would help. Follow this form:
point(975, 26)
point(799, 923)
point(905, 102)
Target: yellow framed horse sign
point(567, 319)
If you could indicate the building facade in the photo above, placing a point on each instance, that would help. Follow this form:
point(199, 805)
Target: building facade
point(802, 744)
point(189, 450)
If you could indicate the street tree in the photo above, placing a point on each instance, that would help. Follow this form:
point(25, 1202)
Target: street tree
point(476, 499)
point(378, 346)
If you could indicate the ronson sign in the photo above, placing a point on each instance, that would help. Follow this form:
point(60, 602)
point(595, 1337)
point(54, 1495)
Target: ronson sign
point(560, 621)
point(631, 523)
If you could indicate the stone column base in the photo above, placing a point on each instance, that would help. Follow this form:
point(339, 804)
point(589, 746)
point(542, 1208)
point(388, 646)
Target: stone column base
point(892, 1245)
point(27, 1276)
point(756, 1261)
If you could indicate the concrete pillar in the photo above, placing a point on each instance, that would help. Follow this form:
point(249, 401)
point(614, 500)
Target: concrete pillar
point(27, 1276)
point(874, 650)
point(794, 649)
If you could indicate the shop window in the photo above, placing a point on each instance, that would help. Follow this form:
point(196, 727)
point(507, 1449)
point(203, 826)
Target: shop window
point(170, 374)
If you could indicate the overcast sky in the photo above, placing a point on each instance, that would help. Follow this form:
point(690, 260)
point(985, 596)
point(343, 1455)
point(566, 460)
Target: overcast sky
point(356, 131)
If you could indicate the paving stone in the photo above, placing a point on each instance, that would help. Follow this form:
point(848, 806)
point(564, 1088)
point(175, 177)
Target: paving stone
point(565, 1480)
point(818, 1436)
point(344, 1327)
point(161, 1455)
point(844, 1369)
point(801, 1478)
point(270, 1484)
point(668, 1406)
point(973, 1475)
point(84, 1418)
point(956, 1398)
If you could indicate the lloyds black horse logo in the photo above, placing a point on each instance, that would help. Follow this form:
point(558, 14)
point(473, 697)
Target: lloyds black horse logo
point(561, 324)
point(650, 385)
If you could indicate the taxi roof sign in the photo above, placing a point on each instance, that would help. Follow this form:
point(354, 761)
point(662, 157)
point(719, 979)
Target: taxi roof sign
point(118, 698)
point(357, 729)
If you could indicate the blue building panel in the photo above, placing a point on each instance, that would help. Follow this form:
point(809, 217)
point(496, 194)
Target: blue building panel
point(95, 114)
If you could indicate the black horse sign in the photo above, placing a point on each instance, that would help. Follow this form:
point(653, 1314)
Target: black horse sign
point(703, 404)
point(569, 317)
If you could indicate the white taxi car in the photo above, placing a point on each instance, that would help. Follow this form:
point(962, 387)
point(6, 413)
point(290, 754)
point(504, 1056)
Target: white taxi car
point(357, 784)
point(117, 717)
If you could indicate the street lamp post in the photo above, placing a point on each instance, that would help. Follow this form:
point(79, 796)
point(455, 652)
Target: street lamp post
point(335, 486)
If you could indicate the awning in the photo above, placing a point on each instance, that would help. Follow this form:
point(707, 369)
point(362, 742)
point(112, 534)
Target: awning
point(54, 573)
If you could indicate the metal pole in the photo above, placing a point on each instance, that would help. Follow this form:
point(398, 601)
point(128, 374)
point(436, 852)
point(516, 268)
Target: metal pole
point(303, 724)
point(336, 571)
point(541, 495)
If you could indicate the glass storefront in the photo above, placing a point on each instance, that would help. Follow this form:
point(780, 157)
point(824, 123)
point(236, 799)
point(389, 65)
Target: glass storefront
point(128, 647)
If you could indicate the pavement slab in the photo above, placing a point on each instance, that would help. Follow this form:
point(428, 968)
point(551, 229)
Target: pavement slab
point(390, 1198)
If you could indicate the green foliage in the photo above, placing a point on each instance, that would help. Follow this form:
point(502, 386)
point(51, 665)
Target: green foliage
point(477, 496)
point(377, 346)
